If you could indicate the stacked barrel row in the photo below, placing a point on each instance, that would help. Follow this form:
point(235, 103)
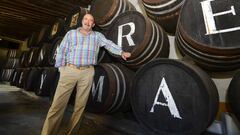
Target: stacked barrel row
point(40, 80)
point(42, 56)
point(131, 30)
point(36, 70)
point(182, 93)
point(11, 62)
point(164, 91)
point(167, 96)
point(210, 38)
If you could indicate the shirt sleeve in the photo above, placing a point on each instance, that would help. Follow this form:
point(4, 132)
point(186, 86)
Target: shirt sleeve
point(62, 52)
point(108, 44)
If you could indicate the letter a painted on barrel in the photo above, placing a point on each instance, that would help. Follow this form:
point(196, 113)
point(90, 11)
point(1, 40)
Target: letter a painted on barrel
point(170, 103)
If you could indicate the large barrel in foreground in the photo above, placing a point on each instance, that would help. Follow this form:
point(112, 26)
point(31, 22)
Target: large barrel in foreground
point(233, 95)
point(141, 36)
point(171, 97)
point(211, 36)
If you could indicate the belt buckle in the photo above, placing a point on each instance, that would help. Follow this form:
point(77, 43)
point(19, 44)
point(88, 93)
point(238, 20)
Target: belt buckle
point(83, 67)
point(76, 67)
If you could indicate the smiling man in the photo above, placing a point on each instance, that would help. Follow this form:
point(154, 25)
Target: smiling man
point(76, 56)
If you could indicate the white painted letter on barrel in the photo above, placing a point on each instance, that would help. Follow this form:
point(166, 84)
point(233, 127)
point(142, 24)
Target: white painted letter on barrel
point(169, 100)
point(30, 58)
point(14, 77)
point(20, 78)
point(128, 36)
point(43, 76)
point(209, 18)
point(100, 87)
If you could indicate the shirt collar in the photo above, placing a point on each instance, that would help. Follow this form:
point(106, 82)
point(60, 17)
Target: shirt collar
point(90, 32)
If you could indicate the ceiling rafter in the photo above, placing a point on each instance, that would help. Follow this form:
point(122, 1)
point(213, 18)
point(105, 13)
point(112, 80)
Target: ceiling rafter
point(20, 18)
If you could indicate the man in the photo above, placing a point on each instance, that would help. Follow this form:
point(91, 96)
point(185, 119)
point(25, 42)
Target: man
point(75, 59)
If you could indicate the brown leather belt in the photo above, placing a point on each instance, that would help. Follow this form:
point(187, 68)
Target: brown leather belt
point(80, 68)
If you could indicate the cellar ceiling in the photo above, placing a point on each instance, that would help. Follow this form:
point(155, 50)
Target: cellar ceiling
point(20, 18)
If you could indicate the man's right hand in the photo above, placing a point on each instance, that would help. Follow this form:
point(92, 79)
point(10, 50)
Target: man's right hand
point(125, 55)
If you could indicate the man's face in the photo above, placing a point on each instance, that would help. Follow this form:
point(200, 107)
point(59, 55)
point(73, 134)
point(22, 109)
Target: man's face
point(88, 22)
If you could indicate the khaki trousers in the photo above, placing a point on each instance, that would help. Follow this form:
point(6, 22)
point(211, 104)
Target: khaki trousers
point(69, 77)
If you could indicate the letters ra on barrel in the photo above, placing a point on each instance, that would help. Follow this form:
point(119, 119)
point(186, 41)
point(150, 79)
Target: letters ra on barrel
point(139, 35)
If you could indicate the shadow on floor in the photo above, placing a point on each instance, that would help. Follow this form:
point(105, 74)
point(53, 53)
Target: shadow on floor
point(23, 114)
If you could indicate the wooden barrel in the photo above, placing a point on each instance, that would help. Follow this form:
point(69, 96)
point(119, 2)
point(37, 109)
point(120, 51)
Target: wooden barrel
point(12, 63)
point(32, 57)
point(32, 79)
point(21, 82)
point(19, 78)
point(32, 40)
point(6, 74)
point(172, 97)
point(105, 57)
point(13, 53)
point(141, 36)
point(210, 37)
point(47, 52)
point(2, 75)
point(11, 71)
point(105, 11)
point(23, 59)
point(164, 12)
point(110, 89)
point(15, 76)
point(41, 60)
point(47, 81)
point(52, 51)
point(233, 95)
point(57, 30)
point(43, 35)
point(74, 19)
point(3, 57)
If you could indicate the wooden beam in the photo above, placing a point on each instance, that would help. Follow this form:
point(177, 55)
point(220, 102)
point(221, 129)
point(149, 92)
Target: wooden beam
point(33, 8)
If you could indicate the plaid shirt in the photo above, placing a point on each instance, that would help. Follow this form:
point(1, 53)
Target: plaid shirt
point(82, 50)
